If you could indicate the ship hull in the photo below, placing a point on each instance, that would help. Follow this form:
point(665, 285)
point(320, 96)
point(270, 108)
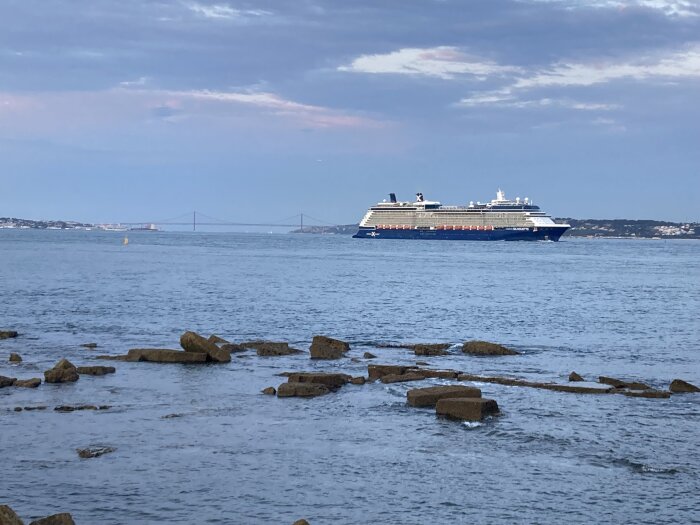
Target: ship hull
point(497, 234)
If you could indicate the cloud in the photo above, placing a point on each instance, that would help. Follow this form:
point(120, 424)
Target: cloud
point(505, 99)
point(224, 11)
point(671, 8)
point(445, 62)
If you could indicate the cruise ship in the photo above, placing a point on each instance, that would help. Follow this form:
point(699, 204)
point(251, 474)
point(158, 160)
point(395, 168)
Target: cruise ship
point(501, 219)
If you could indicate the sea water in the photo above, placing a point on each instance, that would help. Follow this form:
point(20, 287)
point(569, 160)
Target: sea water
point(227, 454)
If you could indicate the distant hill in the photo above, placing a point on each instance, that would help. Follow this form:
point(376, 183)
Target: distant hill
point(641, 229)
point(12, 223)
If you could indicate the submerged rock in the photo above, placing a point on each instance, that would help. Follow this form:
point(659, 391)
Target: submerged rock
point(96, 370)
point(8, 334)
point(439, 374)
point(8, 516)
point(94, 452)
point(28, 383)
point(302, 390)
point(369, 355)
point(233, 348)
point(162, 355)
point(63, 372)
point(89, 345)
point(113, 357)
point(15, 358)
point(360, 380)
point(431, 349)
point(269, 391)
point(333, 381)
point(271, 349)
point(470, 409)
point(195, 343)
point(573, 377)
point(654, 394)
point(612, 381)
point(402, 378)
point(7, 381)
point(73, 408)
point(486, 348)
point(323, 347)
point(428, 397)
point(55, 519)
point(679, 386)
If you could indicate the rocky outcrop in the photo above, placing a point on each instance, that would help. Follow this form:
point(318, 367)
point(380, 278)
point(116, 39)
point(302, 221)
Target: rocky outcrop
point(63, 372)
point(332, 381)
point(428, 397)
point(7, 334)
point(89, 345)
point(162, 355)
point(94, 452)
point(9, 517)
point(430, 350)
point(269, 391)
point(56, 519)
point(402, 378)
point(302, 390)
point(369, 355)
point(218, 340)
point(469, 409)
point(486, 348)
point(15, 358)
point(195, 343)
point(28, 383)
point(96, 370)
point(679, 386)
point(323, 347)
point(7, 381)
point(574, 377)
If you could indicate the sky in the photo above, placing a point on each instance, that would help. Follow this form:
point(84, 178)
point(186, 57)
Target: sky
point(126, 110)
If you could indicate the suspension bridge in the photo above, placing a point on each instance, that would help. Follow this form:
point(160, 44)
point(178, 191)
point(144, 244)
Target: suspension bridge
point(196, 219)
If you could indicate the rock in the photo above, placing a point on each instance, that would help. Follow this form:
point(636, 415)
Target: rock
point(233, 348)
point(468, 408)
point(7, 381)
point(358, 380)
point(96, 370)
point(218, 340)
point(617, 383)
point(635, 385)
point(323, 347)
point(28, 383)
point(402, 378)
point(428, 397)
point(421, 363)
point(15, 358)
point(430, 350)
point(7, 334)
point(113, 357)
point(160, 355)
point(195, 343)
point(275, 349)
point(35, 408)
point(332, 381)
point(590, 388)
point(486, 348)
point(63, 372)
point(269, 391)
point(650, 393)
point(89, 345)
point(17, 409)
point(302, 390)
point(679, 386)
point(94, 452)
point(369, 355)
point(8, 516)
point(55, 519)
point(573, 376)
point(440, 374)
point(301, 522)
point(73, 408)
point(377, 371)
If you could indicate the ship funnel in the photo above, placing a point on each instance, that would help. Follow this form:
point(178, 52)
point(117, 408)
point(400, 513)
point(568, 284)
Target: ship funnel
point(392, 197)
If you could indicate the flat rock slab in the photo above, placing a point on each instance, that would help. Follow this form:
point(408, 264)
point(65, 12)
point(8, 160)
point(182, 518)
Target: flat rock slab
point(233, 348)
point(56, 519)
point(469, 409)
point(163, 355)
point(195, 343)
point(652, 394)
point(581, 387)
point(323, 347)
point(402, 378)
point(679, 386)
point(486, 348)
point(268, 349)
point(377, 371)
point(8, 334)
point(28, 383)
point(302, 390)
point(96, 370)
point(428, 397)
point(439, 374)
point(331, 380)
point(430, 350)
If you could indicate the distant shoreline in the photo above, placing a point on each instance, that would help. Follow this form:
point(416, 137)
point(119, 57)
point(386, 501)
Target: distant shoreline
point(588, 228)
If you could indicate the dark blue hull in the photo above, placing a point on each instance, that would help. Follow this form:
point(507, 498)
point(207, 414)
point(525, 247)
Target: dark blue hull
point(497, 234)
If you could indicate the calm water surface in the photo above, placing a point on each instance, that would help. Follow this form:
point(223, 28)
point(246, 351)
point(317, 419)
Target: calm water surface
point(628, 309)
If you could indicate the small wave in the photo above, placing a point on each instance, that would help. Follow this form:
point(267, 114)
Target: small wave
point(472, 424)
point(644, 468)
